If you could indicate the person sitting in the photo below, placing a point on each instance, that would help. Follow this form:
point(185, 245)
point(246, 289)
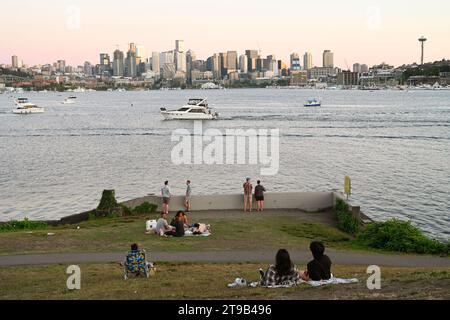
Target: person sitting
point(284, 271)
point(320, 267)
point(181, 215)
point(178, 226)
point(162, 226)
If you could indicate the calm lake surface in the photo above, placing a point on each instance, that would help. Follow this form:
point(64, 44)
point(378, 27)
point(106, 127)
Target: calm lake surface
point(395, 145)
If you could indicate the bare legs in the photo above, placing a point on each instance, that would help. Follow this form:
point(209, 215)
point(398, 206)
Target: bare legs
point(247, 202)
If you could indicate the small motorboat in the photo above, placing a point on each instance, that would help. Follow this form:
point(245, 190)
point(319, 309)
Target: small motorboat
point(313, 103)
point(69, 100)
point(196, 109)
point(26, 107)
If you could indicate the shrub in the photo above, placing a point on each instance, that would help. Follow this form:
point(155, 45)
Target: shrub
point(145, 208)
point(26, 224)
point(402, 236)
point(346, 221)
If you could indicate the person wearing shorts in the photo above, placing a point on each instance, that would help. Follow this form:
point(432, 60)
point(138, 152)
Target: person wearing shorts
point(187, 199)
point(248, 188)
point(259, 196)
point(165, 194)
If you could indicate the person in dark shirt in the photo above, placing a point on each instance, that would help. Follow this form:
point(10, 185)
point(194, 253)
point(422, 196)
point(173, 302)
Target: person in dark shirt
point(178, 224)
point(320, 267)
point(259, 196)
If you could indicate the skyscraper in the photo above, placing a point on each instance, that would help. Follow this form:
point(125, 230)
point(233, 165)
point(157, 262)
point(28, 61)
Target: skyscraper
point(295, 62)
point(252, 55)
point(216, 66)
point(118, 64)
point(243, 63)
point(307, 61)
point(232, 61)
point(15, 61)
point(179, 45)
point(156, 66)
point(130, 64)
point(328, 59)
point(180, 61)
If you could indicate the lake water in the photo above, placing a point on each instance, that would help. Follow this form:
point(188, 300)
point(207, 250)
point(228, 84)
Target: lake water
point(395, 145)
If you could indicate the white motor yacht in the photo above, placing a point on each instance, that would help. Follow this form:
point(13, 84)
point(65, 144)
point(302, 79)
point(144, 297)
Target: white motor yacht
point(26, 107)
point(69, 100)
point(196, 109)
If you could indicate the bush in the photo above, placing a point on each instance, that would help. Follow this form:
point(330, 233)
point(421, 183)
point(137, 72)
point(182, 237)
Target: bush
point(145, 208)
point(26, 224)
point(346, 221)
point(396, 235)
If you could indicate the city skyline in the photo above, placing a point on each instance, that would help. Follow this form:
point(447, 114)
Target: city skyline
point(361, 32)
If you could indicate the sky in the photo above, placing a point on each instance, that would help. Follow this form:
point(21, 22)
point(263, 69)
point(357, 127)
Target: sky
point(360, 31)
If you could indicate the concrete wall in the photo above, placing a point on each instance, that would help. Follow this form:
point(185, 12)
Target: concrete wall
point(307, 201)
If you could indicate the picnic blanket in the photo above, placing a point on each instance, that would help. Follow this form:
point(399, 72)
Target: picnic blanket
point(190, 233)
point(240, 282)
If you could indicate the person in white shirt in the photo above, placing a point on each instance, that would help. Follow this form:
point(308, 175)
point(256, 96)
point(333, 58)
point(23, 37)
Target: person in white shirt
point(165, 194)
point(162, 226)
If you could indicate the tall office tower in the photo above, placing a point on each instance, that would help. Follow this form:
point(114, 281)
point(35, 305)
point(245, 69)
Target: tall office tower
point(118, 64)
point(88, 69)
point(132, 47)
point(357, 67)
point(216, 66)
point(295, 62)
point(179, 45)
point(15, 61)
point(130, 64)
point(61, 66)
point(364, 68)
point(328, 59)
point(156, 66)
point(140, 52)
point(307, 61)
point(104, 59)
point(180, 61)
point(232, 61)
point(223, 63)
point(243, 63)
point(252, 55)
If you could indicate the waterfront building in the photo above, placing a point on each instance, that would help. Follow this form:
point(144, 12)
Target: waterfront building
point(348, 78)
point(156, 66)
point(180, 61)
point(328, 59)
point(307, 61)
point(295, 62)
point(299, 78)
point(168, 71)
point(322, 73)
point(61, 66)
point(216, 66)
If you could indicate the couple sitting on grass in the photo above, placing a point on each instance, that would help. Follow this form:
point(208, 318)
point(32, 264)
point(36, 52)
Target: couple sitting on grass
point(284, 271)
point(178, 226)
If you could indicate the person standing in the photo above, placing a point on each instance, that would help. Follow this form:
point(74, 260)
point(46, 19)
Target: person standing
point(187, 199)
point(165, 194)
point(248, 188)
point(259, 196)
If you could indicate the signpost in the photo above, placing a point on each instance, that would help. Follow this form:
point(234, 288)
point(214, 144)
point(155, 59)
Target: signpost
point(347, 186)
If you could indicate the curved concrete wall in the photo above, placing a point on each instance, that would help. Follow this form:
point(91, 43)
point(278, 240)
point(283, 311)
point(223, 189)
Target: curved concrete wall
point(307, 201)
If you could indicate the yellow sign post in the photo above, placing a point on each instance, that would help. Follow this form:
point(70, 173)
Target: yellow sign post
point(347, 186)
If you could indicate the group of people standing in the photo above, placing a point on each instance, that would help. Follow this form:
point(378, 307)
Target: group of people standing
point(248, 196)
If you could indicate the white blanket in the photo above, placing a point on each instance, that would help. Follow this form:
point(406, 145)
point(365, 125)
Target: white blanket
point(189, 233)
point(331, 281)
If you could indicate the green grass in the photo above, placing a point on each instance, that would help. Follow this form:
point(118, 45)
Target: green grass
point(208, 281)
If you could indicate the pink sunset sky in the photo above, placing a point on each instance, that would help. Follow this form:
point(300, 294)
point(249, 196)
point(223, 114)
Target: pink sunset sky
point(361, 31)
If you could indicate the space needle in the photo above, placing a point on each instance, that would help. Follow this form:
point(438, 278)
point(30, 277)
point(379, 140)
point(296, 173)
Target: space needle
point(422, 42)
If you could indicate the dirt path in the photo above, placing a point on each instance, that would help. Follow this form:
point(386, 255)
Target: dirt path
point(300, 257)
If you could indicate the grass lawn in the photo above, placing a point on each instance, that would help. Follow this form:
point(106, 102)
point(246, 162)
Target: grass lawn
point(243, 232)
point(208, 281)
